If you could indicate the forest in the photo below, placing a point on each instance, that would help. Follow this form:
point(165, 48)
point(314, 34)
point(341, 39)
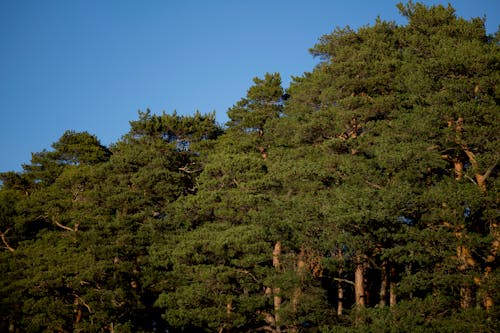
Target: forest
point(363, 197)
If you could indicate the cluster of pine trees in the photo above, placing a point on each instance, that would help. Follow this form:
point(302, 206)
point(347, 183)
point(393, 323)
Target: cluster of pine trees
point(362, 198)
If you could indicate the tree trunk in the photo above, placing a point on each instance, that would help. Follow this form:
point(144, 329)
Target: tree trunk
point(277, 307)
point(465, 262)
point(276, 255)
point(384, 283)
point(340, 298)
point(359, 283)
point(466, 299)
point(79, 314)
point(392, 290)
point(488, 299)
point(459, 169)
point(340, 287)
point(277, 290)
point(229, 310)
point(480, 178)
point(301, 264)
point(495, 246)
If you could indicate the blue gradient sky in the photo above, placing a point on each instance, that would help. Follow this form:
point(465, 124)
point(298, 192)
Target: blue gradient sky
point(90, 65)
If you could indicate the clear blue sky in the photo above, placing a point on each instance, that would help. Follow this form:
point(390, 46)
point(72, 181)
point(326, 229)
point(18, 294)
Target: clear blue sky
point(90, 65)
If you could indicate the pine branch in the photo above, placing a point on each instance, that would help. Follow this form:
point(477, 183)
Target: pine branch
point(244, 271)
point(377, 186)
point(66, 227)
point(4, 241)
point(344, 280)
point(490, 170)
point(80, 300)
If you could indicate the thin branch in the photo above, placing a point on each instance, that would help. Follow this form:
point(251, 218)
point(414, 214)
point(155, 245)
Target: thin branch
point(344, 280)
point(490, 170)
point(66, 227)
point(469, 178)
point(268, 318)
point(472, 158)
point(4, 240)
point(186, 170)
point(377, 186)
point(247, 272)
point(83, 302)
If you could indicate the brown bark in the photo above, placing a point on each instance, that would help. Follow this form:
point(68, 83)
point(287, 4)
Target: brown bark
point(459, 169)
point(276, 255)
point(277, 307)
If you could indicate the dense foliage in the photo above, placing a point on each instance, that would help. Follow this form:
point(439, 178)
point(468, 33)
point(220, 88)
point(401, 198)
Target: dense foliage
point(362, 198)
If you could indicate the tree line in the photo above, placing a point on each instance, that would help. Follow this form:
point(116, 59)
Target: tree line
point(361, 198)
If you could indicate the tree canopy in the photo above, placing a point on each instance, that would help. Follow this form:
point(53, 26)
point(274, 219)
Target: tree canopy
point(361, 198)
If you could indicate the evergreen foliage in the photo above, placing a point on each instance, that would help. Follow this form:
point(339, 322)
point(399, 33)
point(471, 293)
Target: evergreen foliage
point(361, 198)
